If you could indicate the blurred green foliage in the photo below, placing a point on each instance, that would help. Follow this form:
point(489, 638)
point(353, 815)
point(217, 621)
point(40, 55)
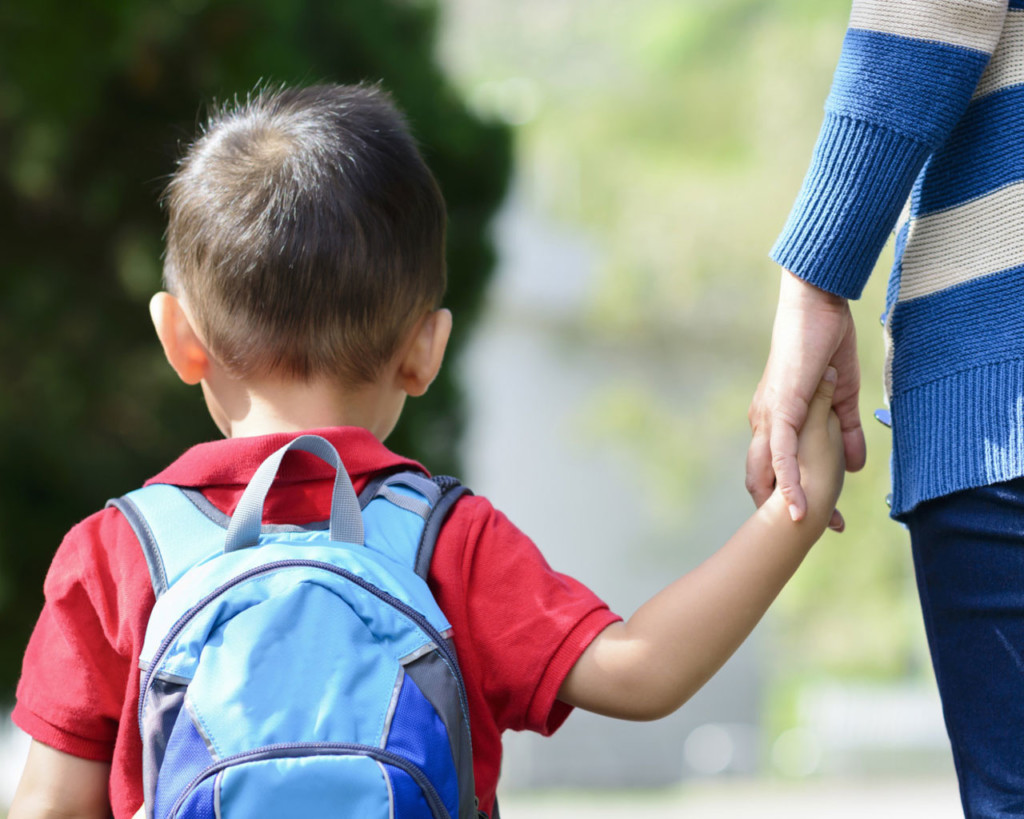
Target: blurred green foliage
point(674, 134)
point(95, 100)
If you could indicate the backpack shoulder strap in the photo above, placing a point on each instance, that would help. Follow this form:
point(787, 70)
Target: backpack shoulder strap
point(175, 531)
point(178, 528)
point(451, 490)
point(424, 504)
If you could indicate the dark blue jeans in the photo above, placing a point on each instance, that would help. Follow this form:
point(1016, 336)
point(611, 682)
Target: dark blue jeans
point(969, 559)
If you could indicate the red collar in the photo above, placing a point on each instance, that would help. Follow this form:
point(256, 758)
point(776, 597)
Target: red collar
point(232, 461)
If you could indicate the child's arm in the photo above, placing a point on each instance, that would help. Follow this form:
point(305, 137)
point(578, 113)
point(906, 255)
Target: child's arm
point(56, 785)
point(650, 665)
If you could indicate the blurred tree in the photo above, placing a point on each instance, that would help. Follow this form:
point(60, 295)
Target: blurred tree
point(94, 101)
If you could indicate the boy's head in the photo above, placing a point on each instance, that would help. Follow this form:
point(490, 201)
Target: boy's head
point(306, 235)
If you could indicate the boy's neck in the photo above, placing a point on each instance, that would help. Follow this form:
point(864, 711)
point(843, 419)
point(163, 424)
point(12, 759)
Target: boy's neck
point(246, 409)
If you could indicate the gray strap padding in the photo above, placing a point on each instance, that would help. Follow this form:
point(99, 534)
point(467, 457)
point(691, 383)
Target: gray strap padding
point(451, 491)
point(346, 520)
point(371, 488)
point(425, 486)
point(417, 481)
point(409, 504)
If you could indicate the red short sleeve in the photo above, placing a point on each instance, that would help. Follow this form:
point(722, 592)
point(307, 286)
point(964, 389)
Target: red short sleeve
point(79, 683)
point(519, 627)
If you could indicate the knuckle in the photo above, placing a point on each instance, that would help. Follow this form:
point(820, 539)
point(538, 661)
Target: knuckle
point(781, 463)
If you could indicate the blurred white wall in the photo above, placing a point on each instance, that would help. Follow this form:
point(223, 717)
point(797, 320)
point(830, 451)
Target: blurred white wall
point(532, 373)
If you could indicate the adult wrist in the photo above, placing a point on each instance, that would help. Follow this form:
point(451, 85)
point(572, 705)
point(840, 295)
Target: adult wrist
point(798, 292)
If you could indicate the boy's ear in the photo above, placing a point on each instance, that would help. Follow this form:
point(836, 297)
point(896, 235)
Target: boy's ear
point(424, 353)
point(184, 350)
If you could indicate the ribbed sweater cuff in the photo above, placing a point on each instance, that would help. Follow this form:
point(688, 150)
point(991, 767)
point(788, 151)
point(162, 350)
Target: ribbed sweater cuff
point(958, 432)
point(859, 179)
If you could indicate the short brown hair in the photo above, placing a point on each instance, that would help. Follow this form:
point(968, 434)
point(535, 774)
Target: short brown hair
point(306, 234)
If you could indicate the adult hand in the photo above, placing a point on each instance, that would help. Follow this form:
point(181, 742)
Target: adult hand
point(813, 329)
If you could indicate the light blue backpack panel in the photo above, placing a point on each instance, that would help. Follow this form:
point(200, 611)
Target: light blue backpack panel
point(300, 671)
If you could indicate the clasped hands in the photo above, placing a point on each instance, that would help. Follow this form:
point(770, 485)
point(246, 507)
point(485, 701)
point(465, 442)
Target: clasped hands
point(813, 333)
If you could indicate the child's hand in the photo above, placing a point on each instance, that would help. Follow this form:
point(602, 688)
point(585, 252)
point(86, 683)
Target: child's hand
point(820, 454)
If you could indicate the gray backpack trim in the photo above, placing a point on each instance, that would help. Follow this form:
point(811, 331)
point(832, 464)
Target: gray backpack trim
point(155, 563)
point(170, 698)
point(417, 507)
point(451, 491)
point(200, 501)
point(431, 674)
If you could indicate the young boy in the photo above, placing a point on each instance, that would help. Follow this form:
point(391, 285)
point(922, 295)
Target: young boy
point(305, 266)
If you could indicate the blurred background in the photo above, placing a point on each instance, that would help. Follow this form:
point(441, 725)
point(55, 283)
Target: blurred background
point(615, 174)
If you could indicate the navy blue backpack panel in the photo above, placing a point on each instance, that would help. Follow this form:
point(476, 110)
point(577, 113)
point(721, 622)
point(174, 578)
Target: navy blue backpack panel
point(300, 671)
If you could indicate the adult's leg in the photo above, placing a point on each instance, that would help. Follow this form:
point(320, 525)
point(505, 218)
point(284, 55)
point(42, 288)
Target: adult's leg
point(969, 560)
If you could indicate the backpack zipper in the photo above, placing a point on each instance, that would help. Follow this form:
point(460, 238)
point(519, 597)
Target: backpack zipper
point(266, 568)
point(303, 749)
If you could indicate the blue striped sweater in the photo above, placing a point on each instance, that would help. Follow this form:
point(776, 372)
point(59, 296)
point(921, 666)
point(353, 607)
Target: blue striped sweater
point(927, 110)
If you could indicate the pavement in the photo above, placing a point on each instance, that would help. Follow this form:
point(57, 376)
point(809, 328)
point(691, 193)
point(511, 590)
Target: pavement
point(823, 798)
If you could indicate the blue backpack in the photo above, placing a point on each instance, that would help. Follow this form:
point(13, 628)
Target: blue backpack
point(300, 671)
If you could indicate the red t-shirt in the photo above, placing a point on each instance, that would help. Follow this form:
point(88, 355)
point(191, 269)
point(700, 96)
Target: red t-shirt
point(516, 641)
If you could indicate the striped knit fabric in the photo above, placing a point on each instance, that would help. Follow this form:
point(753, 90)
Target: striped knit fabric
point(928, 102)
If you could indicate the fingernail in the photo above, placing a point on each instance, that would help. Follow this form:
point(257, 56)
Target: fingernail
point(831, 375)
point(794, 512)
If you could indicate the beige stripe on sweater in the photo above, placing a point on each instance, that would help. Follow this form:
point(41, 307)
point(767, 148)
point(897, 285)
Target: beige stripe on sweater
point(1006, 68)
point(972, 24)
point(961, 244)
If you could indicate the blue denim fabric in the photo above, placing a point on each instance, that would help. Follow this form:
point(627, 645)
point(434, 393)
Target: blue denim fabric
point(969, 560)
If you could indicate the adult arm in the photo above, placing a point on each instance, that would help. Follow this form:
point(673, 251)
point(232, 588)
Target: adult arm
point(56, 785)
point(907, 71)
point(650, 665)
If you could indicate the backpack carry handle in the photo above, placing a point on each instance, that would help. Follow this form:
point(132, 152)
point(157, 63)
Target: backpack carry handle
point(346, 518)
